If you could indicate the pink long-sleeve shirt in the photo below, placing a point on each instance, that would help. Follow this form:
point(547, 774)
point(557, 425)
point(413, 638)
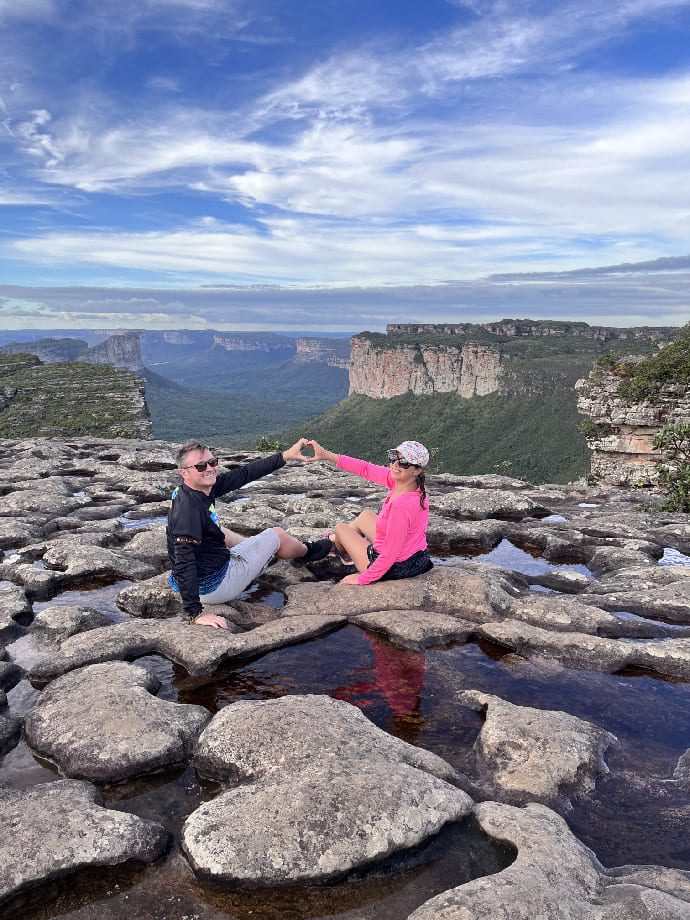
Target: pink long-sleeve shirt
point(400, 525)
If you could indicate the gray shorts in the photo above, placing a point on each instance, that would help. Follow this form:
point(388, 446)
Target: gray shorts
point(247, 561)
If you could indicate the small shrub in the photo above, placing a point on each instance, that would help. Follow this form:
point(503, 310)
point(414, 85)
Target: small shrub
point(264, 444)
point(674, 471)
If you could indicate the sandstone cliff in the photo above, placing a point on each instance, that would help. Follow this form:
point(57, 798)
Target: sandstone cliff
point(513, 357)
point(333, 352)
point(471, 370)
point(120, 350)
point(622, 452)
point(245, 341)
point(70, 398)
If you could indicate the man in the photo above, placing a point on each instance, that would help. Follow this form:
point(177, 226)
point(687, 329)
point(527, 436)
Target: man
point(209, 563)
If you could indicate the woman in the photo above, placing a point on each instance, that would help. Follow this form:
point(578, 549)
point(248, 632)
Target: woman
point(391, 544)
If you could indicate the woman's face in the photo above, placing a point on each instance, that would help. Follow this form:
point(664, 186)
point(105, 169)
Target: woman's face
point(405, 477)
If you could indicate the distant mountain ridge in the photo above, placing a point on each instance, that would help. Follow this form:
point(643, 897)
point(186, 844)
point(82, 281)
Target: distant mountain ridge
point(118, 350)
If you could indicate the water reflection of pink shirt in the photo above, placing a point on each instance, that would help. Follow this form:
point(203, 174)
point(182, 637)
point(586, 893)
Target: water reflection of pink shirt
point(400, 525)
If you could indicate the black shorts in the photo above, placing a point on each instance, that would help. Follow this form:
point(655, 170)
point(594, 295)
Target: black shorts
point(417, 564)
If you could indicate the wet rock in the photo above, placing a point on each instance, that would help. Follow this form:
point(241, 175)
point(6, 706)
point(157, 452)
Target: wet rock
point(526, 754)
point(568, 614)
point(55, 829)
point(668, 658)
point(566, 581)
point(15, 612)
point(148, 547)
point(494, 503)
point(14, 533)
point(416, 629)
point(669, 601)
point(444, 533)
point(59, 622)
point(102, 723)
point(255, 738)
point(10, 674)
point(81, 563)
point(10, 728)
point(323, 792)
point(151, 598)
point(39, 504)
point(555, 877)
point(455, 590)
point(201, 650)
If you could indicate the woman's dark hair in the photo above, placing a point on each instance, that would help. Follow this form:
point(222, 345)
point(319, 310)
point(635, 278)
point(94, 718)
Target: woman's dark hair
point(422, 487)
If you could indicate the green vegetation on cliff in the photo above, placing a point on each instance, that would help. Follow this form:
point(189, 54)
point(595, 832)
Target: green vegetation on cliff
point(230, 419)
point(670, 366)
point(535, 437)
point(68, 399)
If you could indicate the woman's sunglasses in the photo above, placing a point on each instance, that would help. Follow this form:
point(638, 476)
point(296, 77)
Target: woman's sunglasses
point(201, 467)
point(403, 464)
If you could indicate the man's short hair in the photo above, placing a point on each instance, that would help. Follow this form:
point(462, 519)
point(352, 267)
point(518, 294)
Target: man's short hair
point(186, 449)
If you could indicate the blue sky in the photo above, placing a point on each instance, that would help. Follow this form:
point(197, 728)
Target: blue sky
point(340, 164)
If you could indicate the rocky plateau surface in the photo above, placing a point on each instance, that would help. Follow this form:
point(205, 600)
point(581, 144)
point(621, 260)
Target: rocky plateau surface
point(139, 769)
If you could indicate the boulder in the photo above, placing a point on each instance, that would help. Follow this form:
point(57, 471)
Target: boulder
point(55, 829)
point(323, 792)
point(555, 877)
point(102, 723)
point(526, 754)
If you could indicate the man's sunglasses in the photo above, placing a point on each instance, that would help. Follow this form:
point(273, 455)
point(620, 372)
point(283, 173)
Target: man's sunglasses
point(403, 464)
point(201, 467)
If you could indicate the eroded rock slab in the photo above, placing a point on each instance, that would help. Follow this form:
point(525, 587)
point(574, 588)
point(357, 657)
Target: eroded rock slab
point(323, 792)
point(555, 877)
point(57, 828)
point(102, 723)
point(669, 657)
point(200, 650)
point(526, 754)
point(61, 621)
point(416, 629)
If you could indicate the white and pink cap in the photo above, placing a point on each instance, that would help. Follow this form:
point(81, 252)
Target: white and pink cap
point(413, 452)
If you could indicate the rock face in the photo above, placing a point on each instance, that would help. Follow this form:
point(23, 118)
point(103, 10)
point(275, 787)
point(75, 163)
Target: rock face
point(623, 454)
point(476, 360)
point(120, 350)
point(249, 341)
point(105, 400)
point(472, 370)
point(333, 352)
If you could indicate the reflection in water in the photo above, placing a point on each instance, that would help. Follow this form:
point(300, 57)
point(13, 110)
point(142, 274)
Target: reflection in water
point(399, 676)
point(509, 556)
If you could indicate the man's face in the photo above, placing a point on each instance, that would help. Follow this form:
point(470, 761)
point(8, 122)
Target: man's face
point(202, 482)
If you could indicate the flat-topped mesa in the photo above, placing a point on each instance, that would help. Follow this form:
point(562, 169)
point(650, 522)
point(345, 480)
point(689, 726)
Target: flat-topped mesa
point(510, 357)
point(333, 352)
point(250, 341)
point(69, 398)
point(623, 433)
point(523, 328)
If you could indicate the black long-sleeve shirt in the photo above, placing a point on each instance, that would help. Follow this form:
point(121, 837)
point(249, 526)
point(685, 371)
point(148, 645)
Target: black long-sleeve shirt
point(196, 545)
